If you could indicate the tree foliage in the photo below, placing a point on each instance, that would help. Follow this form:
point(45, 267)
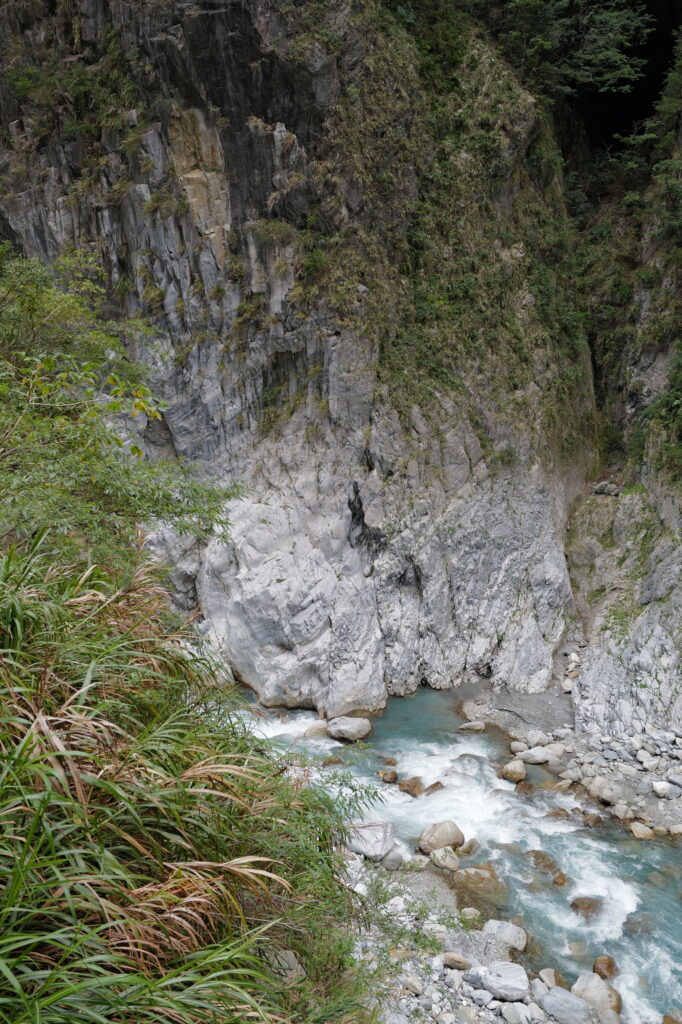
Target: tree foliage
point(571, 46)
point(65, 381)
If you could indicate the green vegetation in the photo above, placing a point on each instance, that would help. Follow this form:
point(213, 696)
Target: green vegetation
point(631, 271)
point(153, 857)
point(563, 47)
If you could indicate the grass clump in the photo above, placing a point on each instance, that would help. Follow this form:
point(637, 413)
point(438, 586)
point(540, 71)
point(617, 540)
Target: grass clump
point(153, 854)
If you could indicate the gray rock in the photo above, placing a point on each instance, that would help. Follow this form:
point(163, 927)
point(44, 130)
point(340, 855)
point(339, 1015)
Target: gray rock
point(445, 858)
point(508, 933)
point(535, 755)
point(516, 1013)
point(565, 1007)
point(440, 834)
point(505, 981)
point(350, 729)
point(393, 860)
point(286, 965)
point(371, 840)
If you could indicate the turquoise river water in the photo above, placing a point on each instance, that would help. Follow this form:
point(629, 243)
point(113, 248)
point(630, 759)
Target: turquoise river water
point(640, 883)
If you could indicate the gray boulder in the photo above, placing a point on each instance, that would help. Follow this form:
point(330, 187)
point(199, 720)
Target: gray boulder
point(508, 933)
point(504, 980)
point(565, 1007)
point(442, 833)
point(371, 840)
point(349, 729)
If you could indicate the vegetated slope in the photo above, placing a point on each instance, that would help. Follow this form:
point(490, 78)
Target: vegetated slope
point(153, 856)
point(349, 226)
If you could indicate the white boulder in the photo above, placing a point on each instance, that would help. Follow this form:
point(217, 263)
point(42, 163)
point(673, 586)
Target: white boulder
point(349, 729)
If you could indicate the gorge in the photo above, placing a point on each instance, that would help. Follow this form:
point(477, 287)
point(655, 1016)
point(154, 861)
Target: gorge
point(411, 277)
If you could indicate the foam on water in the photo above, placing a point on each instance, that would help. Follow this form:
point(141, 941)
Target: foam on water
point(629, 877)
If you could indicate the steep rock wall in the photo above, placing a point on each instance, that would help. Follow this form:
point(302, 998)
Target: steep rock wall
point(361, 296)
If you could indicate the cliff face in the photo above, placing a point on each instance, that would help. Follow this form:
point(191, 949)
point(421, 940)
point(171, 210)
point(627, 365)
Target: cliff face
point(360, 277)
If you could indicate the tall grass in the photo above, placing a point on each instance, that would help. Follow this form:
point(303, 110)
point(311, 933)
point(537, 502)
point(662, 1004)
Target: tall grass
point(148, 854)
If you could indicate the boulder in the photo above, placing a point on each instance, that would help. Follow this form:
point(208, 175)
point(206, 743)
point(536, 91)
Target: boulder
point(472, 727)
point(641, 831)
point(394, 860)
point(516, 746)
point(560, 879)
point(286, 965)
point(515, 771)
point(440, 834)
point(542, 861)
point(371, 840)
point(349, 729)
point(537, 738)
point(597, 993)
point(389, 775)
point(445, 858)
point(565, 1007)
point(318, 728)
point(505, 981)
point(412, 983)
point(508, 933)
point(516, 1013)
point(605, 966)
point(483, 880)
point(433, 788)
point(592, 821)
point(551, 978)
point(455, 961)
point(414, 786)
point(535, 755)
point(588, 906)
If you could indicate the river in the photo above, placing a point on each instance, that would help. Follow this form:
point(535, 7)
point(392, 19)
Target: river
point(639, 922)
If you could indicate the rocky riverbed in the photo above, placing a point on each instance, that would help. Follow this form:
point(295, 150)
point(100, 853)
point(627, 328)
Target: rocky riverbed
point(543, 868)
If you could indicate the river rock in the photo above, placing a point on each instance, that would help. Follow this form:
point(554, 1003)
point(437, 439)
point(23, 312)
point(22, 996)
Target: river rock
point(516, 746)
point(551, 978)
point(588, 906)
point(372, 841)
point(559, 879)
point(394, 860)
point(472, 727)
point(483, 880)
point(505, 981)
point(535, 755)
point(286, 965)
point(455, 961)
point(349, 729)
point(318, 728)
point(640, 830)
point(542, 861)
point(389, 775)
point(433, 788)
point(605, 966)
point(414, 786)
point(390, 761)
point(592, 820)
point(537, 738)
point(515, 771)
point(440, 834)
point(445, 858)
point(597, 993)
point(666, 790)
point(516, 1013)
point(412, 983)
point(565, 1007)
point(508, 933)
